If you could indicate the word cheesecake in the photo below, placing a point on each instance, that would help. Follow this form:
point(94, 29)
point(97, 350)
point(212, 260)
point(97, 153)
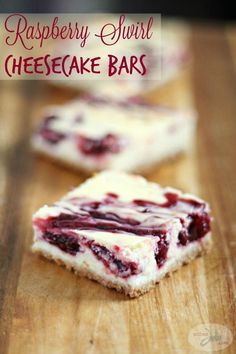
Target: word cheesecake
point(73, 66)
point(123, 231)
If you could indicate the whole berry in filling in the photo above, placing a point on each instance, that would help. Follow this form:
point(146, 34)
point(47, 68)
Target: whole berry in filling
point(109, 143)
point(66, 243)
point(48, 134)
point(115, 265)
point(199, 226)
point(161, 254)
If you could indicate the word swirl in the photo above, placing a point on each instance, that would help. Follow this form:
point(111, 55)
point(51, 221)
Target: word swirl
point(111, 34)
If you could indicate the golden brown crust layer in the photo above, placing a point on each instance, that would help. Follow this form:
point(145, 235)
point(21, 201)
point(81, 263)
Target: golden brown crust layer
point(205, 246)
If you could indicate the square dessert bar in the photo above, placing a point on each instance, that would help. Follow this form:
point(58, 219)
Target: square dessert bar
point(123, 231)
point(98, 133)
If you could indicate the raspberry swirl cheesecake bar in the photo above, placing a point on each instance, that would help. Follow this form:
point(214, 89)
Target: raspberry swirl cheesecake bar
point(98, 133)
point(123, 231)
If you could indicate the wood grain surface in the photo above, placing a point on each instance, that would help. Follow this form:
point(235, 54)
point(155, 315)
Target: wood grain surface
point(45, 309)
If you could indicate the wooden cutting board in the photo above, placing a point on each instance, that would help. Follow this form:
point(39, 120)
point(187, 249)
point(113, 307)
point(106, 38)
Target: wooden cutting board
point(46, 309)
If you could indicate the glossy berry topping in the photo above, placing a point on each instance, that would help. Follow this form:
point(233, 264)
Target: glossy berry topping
point(138, 217)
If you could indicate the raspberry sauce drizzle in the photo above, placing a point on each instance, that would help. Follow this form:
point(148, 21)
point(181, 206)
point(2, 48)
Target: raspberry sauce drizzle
point(91, 216)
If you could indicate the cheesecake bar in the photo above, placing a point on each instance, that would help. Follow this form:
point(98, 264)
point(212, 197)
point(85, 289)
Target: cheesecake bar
point(123, 231)
point(98, 133)
point(166, 59)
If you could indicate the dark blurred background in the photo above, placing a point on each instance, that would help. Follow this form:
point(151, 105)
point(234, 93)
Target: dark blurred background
point(198, 10)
